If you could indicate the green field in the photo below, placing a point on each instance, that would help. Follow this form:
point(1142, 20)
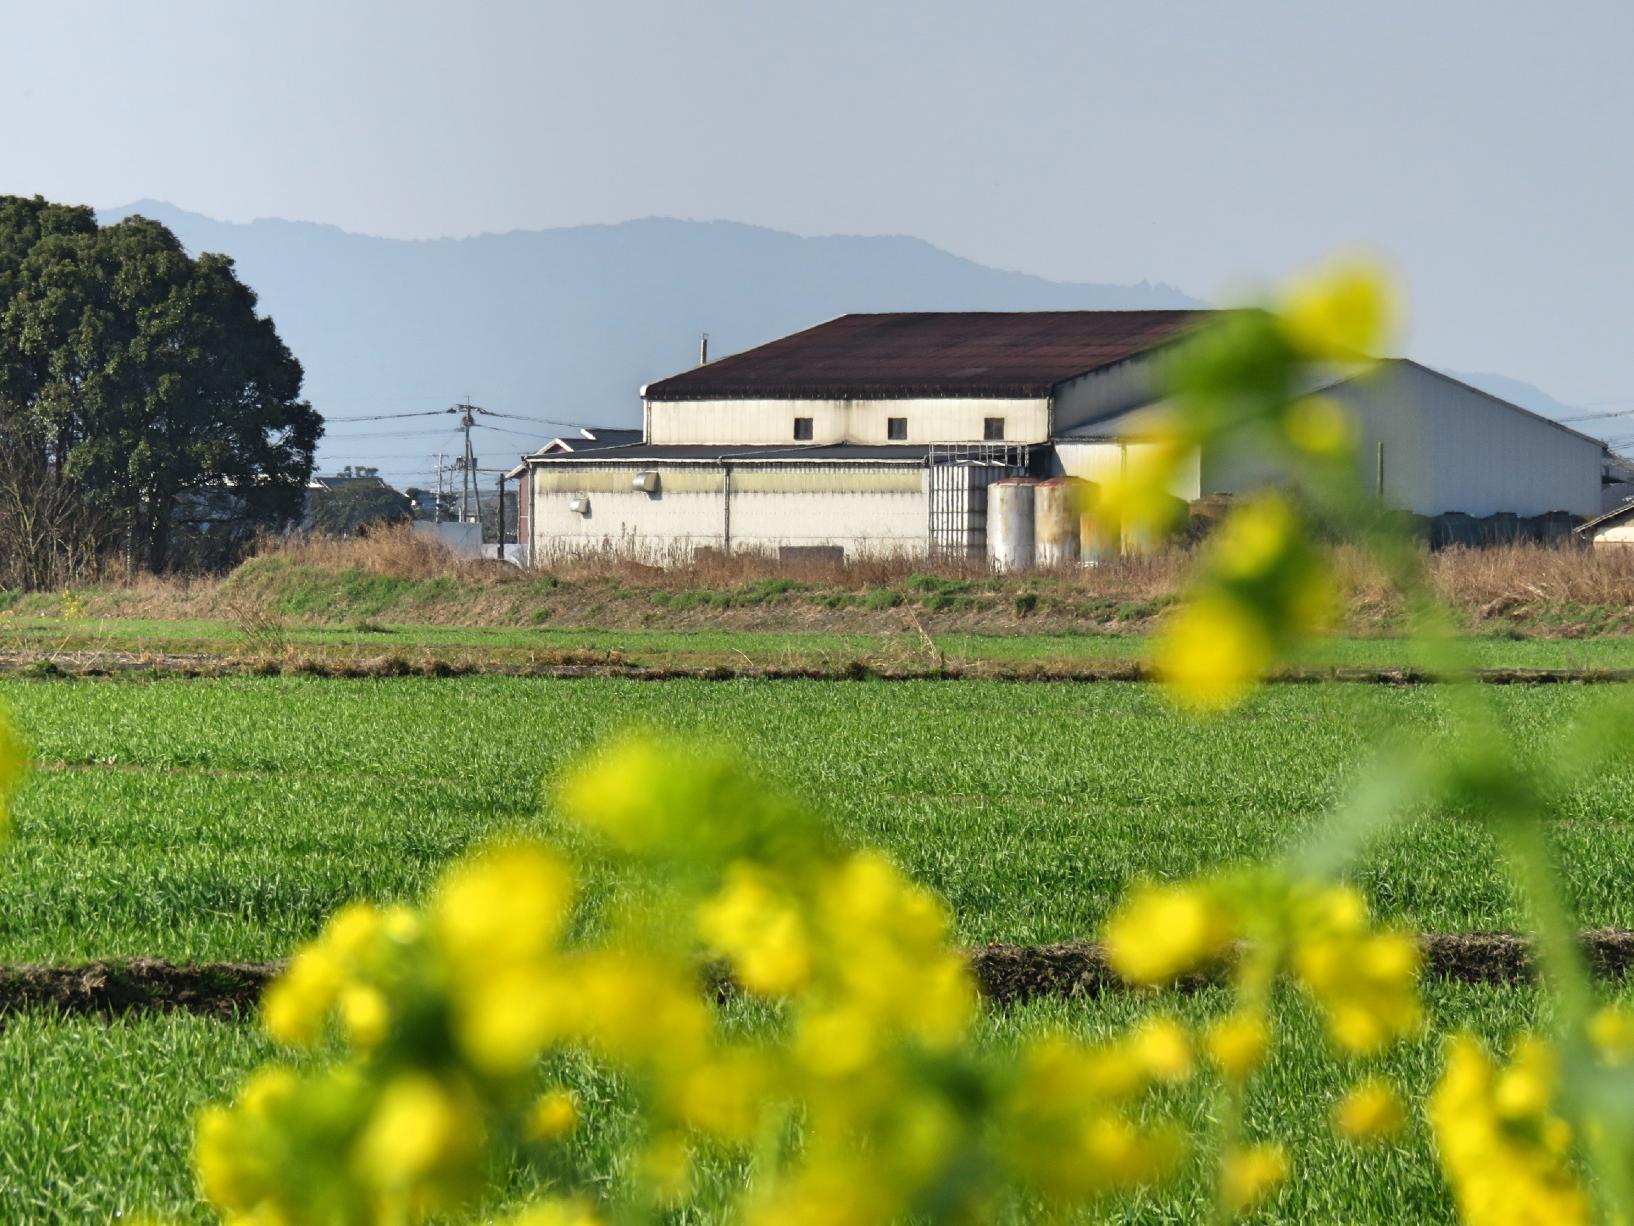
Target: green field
point(103, 1129)
point(225, 818)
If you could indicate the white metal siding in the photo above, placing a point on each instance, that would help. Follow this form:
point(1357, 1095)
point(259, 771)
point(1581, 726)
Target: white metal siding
point(867, 510)
point(771, 422)
point(1448, 447)
point(1621, 534)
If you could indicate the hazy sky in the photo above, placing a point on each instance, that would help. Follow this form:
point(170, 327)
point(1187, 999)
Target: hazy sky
point(1484, 146)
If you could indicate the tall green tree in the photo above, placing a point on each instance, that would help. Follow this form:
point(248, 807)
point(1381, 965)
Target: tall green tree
point(143, 374)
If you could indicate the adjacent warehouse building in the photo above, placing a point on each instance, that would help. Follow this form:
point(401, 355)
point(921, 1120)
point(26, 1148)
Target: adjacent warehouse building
point(881, 434)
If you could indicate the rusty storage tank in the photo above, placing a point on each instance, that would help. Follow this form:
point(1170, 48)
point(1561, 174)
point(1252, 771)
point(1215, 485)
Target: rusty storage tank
point(1058, 507)
point(1010, 523)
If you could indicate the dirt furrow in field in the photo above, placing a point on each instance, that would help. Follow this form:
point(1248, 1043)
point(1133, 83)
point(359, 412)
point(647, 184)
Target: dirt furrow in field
point(1006, 974)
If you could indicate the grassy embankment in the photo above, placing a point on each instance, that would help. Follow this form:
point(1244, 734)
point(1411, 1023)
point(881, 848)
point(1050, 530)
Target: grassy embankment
point(403, 598)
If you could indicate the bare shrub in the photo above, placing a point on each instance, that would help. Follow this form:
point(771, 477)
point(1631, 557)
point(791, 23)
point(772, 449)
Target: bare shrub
point(49, 535)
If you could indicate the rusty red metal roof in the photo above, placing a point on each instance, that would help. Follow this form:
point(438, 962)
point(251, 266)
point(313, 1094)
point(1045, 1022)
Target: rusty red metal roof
point(930, 354)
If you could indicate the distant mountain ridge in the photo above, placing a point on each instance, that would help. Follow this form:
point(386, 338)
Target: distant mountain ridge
point(568, 323)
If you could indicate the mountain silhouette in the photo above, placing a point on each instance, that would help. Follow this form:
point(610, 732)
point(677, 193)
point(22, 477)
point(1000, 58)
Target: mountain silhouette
point(566, 323)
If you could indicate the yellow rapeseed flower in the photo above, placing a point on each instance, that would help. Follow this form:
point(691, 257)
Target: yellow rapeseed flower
point(1213, 652)
point(1365, 981)
point(1343, 312)
point(217, 1158)
point(759, 929)
point(1137, 505)
point(725, 1094)
point(505, 905)
point(555, 1213)
point(1611, 1030)
point(1237, 1044)
point(1255, 537)
point(1508, 1162)
point(296, 1004)
point(618, 794)
point(364, 1014)
point(1163, 1049)
point(665, 1166)
point(1371, 1111)
point(1160, 931)
point(418, 1127)
point(1319, 426)
point(553, 1116)
point(1250, 1174)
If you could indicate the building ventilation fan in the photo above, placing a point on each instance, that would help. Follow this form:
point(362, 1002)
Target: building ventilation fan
point(579, 505)
point(647, 483)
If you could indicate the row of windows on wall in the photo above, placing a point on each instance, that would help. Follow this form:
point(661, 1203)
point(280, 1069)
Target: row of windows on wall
point(896, 429)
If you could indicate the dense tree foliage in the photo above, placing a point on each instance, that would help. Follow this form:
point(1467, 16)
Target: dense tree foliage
point(141, 377)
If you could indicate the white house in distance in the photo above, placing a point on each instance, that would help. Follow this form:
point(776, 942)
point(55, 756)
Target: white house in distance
point(880, 434)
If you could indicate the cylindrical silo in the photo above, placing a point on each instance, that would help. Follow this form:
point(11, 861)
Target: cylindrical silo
point(1097, 537)
point(1057, 505)
point(1010, 523)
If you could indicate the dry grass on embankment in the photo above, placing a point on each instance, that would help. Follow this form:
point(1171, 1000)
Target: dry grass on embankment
point(400, 578)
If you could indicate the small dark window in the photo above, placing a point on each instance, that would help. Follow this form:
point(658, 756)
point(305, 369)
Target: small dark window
point(802, 429)
point(992, 428)
point(896, 428)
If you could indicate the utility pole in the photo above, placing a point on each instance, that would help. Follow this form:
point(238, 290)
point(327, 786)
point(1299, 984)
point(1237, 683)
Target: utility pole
point(468, 461)
point(500, 552)
point(437, 507)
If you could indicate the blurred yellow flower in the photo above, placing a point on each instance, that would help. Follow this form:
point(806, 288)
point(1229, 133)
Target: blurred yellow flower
point(1249, 1175)
point(555, 1213)
point(296, 1004)
point(553, 1116)
point(364, 1014)
point(1213, 652)
point(1160, 931)
point(1505, 1152)
point(1163, 1049)
point(1255, 537)
point(759, 930)
point(1343, 312)
point(1371, 1111)
point(1366, 982)
point(1237, 1044)
point(1611, 1030)
point(1319, 426)
point(507, 904)
point(418, 1126)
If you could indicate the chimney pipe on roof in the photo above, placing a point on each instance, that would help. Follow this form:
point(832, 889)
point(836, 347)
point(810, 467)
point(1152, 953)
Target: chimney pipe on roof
point(703, 349)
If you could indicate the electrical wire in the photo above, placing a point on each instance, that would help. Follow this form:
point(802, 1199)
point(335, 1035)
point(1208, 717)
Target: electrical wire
point(391, 416)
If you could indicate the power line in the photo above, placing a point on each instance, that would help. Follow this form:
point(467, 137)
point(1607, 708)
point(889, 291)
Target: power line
point(391, 416)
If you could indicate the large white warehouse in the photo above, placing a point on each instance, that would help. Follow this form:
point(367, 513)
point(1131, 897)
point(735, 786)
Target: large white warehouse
point(879, 434)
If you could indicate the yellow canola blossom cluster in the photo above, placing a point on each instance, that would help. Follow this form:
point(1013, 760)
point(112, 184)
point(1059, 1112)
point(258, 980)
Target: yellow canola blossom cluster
point(1066, 1120)
point(1505, 1150)
point(1264, 587)
point(1364, 980)
point(1242, 386)
point(873, 1101)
